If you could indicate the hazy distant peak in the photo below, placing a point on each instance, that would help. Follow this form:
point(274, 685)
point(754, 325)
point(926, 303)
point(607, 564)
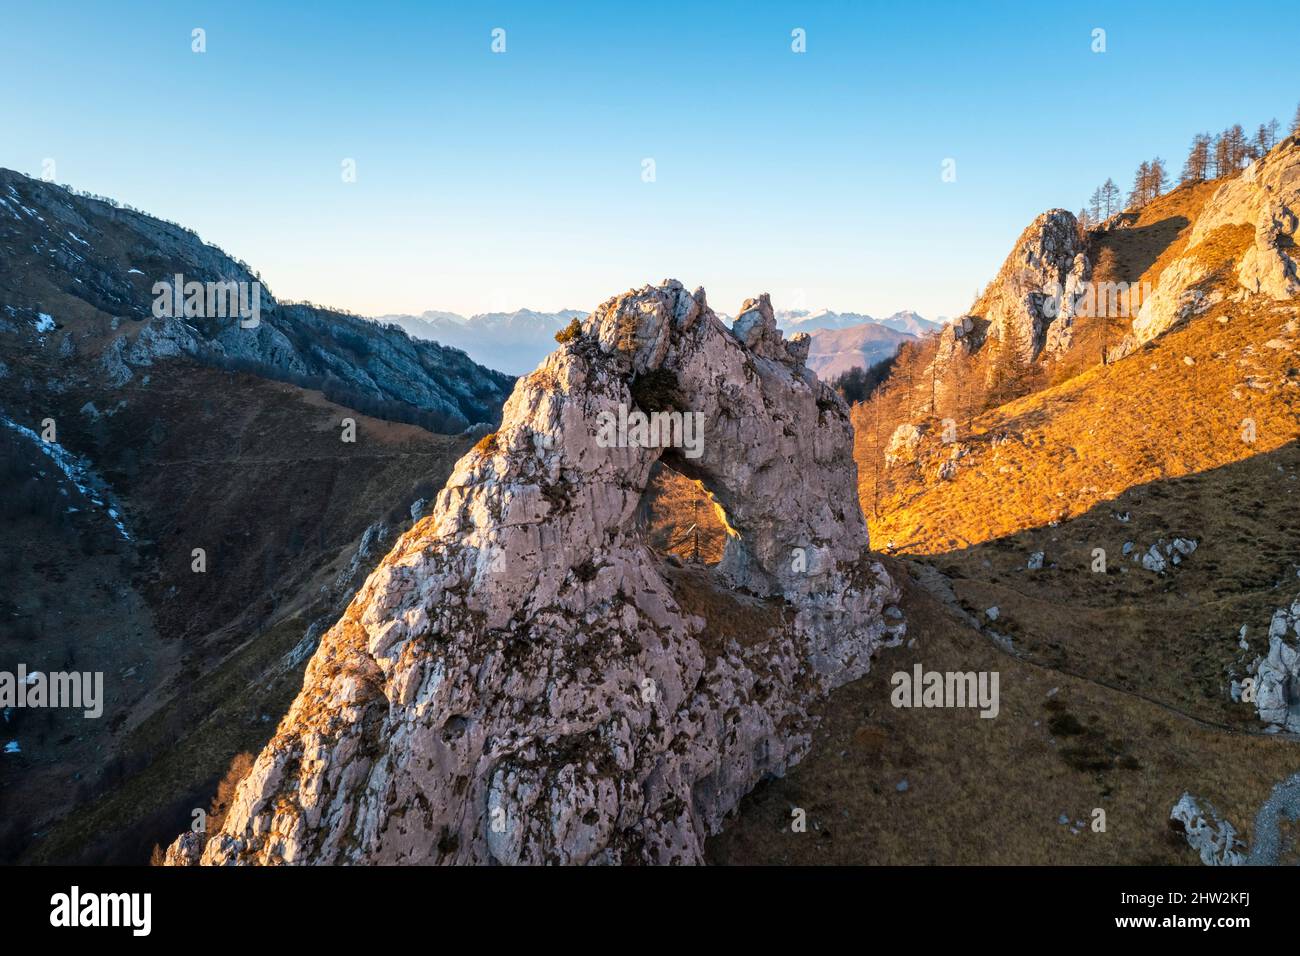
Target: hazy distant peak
point(514, 342)
point(434, 316)
point(526, 314)
point(804, 320)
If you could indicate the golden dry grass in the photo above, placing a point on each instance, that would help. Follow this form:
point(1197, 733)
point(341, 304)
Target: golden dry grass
point(1063, 450)
point(1147, 241)
point(676, 507)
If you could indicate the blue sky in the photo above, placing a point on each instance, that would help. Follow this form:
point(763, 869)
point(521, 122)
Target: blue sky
point(496, 181)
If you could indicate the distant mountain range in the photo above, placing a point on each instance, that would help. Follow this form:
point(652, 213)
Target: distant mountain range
point(516, 342)
point(512, 342)
point(801, 320)
point(835, 351)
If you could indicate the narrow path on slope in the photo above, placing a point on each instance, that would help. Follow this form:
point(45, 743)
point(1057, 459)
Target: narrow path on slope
point(938, 584)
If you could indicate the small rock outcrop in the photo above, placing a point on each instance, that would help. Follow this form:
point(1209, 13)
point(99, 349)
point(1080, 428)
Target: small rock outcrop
point(520, 680)
point(1277, 676)
point(1163, 555)
point(903, 444)
point(1214, 839)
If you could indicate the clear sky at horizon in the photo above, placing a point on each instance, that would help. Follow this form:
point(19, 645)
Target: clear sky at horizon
point(493, 181)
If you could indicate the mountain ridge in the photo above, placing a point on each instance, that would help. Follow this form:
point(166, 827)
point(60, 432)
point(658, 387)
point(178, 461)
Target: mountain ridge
point(94, 266)
point(801, 320)
point(513, 342)
point(204, 509)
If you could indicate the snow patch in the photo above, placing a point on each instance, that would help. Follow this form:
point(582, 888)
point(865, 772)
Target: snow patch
point(74, 469)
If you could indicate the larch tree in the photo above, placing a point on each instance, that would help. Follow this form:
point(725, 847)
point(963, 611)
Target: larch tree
point(1236, 149)
point(1222, 155)
point(1159, 181)
point(1266, 136)
point(1140, 194)
point(1110, 197)
point(1197, 167)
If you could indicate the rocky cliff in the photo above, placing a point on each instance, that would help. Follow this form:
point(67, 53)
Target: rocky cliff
point(1066, 300)
point(1025, 316)
point(172, 437)
point(1029, 305)
point(522, 680)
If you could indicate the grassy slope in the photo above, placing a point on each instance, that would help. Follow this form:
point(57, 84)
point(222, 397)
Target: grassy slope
point(1146, 418)
point(993, 791)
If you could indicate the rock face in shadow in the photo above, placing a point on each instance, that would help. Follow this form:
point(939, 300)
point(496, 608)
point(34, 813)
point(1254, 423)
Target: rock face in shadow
point(1213, 838)
point(1277, 697)
point(519, 681)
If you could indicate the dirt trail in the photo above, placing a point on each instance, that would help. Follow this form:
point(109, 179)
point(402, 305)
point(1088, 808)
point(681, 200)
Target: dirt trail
point(938, 584)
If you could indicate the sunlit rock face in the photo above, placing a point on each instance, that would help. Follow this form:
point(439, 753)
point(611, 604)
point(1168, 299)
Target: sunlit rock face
point(1026, 314)
point(517, 682)
point(1265, 199)
point(1035, 291)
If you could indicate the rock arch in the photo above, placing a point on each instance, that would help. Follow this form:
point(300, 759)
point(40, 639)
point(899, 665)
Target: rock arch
point(518, 682)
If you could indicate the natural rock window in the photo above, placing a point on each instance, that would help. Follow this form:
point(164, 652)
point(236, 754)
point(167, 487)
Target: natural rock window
point(682, 517)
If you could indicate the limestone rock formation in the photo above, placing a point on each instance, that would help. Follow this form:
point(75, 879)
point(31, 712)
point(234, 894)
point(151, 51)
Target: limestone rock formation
point(958, 340)
point(903, 444)
point(521, 680)
point(1214, 839)
point(1164, 555)
point(1037, 288)
point(1026, 314)
point(1265, 198)
point(1277, 692)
